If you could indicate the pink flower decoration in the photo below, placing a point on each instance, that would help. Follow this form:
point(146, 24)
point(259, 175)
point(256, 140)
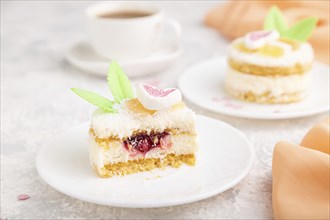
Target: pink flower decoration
point(23, 197)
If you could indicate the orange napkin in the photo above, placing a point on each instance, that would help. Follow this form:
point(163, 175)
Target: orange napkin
point(235, 18)
point(301, 176)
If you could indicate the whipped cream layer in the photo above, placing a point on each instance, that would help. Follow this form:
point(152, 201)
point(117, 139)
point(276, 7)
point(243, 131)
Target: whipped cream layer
point(302, 55)
point(115, 152)
point(125, 122)
point(258, 85)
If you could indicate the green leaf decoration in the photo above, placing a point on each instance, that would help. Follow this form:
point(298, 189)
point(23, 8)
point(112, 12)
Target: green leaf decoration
point(275, 20)
point(120, 87)
point(302, 30)
point(101, 102)
point(119, 83)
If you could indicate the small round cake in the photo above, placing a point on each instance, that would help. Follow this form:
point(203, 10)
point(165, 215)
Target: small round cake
point(265, 68)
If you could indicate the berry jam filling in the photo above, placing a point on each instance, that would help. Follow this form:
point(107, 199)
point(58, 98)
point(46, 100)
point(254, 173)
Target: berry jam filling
point(145, 142)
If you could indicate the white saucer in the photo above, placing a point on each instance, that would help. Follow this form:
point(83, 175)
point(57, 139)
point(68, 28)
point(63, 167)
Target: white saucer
point(82, 56)
point(224, 158)
point(203, 85)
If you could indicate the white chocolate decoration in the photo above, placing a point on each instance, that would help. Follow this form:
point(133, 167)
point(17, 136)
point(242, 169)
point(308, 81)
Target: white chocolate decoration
point(257, 39)
point(154, 98)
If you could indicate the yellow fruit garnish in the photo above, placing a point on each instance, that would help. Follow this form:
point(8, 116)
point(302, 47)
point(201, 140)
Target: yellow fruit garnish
point(136, 106)
point(270, 50)
point(241, 47)
point(266, 50)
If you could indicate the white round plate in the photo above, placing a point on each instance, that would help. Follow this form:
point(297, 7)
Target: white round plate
point(82, 56)
point(224, 158)
point(203, 85)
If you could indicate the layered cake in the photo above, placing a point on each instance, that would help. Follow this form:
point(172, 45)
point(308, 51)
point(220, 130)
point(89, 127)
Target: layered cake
point(269, 66)
point(132, 134)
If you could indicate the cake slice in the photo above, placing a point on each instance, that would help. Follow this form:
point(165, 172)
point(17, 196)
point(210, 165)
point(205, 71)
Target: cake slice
point(134, 134)
point(137, 139)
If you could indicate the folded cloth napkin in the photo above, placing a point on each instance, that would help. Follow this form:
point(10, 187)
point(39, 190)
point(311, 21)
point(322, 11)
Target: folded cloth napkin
point(318, 137)
point(301, 176)
point(235, 18)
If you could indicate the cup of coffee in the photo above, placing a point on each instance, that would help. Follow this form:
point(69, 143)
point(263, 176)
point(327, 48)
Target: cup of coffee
point(126, 30)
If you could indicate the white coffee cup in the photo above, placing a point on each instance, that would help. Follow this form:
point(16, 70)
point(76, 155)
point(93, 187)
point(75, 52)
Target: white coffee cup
point(133, 37)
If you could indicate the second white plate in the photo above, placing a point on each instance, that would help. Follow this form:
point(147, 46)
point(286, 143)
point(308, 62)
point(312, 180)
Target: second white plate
point(224, 158)
point(203, 84)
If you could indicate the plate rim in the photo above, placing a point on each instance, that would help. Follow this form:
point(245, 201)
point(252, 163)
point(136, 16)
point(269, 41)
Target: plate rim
point(124, 204)
point(78, 63)
point(246, 115)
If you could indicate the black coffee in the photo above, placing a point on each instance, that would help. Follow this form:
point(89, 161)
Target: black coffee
point(125, 14)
